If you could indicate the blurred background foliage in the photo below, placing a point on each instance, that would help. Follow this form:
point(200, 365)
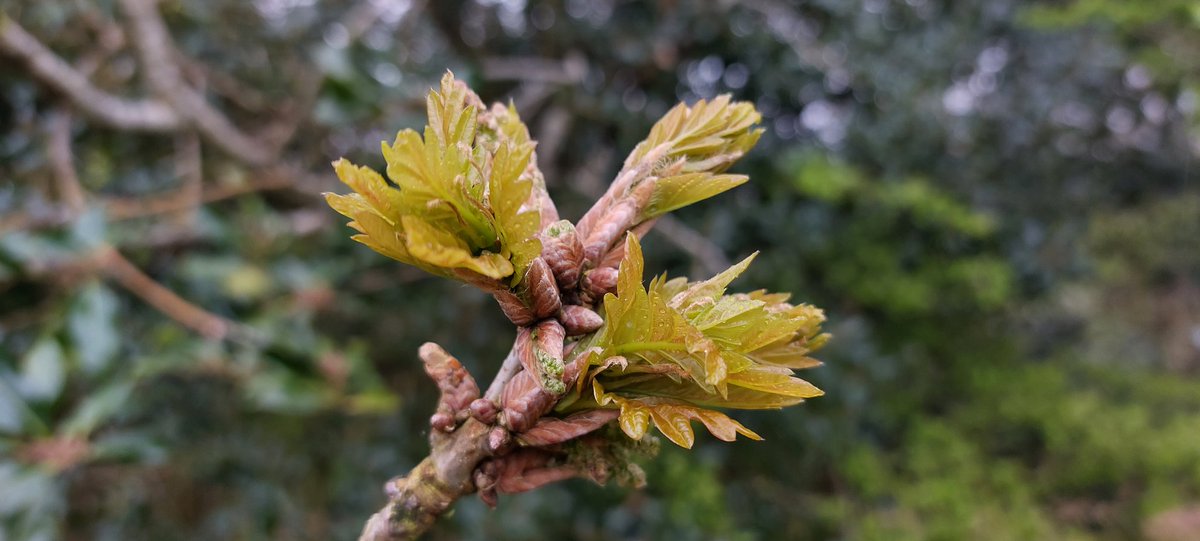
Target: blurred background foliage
point(994, 201)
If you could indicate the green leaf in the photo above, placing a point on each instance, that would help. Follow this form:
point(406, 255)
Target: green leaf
point(14, 412)
point(92, 328)
point(43, 371)
point(441, 249)
point(97, 409)
point(688, 149)
point(669, 351)
point(679, 191)
point(674, 420)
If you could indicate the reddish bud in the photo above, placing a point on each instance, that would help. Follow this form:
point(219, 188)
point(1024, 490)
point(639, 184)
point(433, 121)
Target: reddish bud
point(498, 440)
point(542, 289)
point(457, 386)
point(598, 282)
point(524, 346)
point(611, 226)
point(484, 411)
point(529, 468)
point(442, 421)
point(524, 401)
point(549, 338)
point(516, 420)
point(513, 308)
point(563, 252)
point(550, 431)
point(579, 320)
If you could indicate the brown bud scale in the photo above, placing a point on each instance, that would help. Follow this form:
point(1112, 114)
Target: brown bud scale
point(563, 252)
point(577, 320)
point(457, 386)
point(484, 411)
point(619, 218)
point(525, 402)
point(498, 440)
point(598, 282)
point(542, 289)
point(513, 308)
point(442, 421)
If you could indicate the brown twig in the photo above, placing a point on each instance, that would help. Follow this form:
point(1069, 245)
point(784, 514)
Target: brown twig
point(62, 161)
point(125, 273)
point(156, 53)
point(126, 208)
point(417, 500)
point(508, 369)
point(53, 71)
point(189, 166)
point(702, 249)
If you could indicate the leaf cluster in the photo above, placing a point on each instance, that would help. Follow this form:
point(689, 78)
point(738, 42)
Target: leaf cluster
point(689, 149)
point(454, 204)
point(669, 352)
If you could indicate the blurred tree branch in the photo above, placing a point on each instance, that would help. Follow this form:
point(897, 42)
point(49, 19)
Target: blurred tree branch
point(122, 271)
point(156, 53)
point(47, 67)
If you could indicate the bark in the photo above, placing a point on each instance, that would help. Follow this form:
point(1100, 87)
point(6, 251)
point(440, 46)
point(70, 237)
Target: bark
point(417, 500)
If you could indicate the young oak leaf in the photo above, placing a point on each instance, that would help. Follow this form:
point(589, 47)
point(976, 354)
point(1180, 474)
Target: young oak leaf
point(692, 145)
point(670, 351)
point(456, 207)
point(674, 420)
point(679, 163)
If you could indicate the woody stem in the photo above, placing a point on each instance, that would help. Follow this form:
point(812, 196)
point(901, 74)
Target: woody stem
point(416, 500)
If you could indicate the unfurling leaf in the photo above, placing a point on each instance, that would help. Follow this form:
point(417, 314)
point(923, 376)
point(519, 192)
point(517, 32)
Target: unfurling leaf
point(679, 163)
point(689, 346)
point(458, 204)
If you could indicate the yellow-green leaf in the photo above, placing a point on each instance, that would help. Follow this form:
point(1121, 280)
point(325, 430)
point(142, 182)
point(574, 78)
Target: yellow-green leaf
point(441, 249)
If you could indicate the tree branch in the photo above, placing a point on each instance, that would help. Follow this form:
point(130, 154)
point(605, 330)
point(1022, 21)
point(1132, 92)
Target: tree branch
point(126, 208)
point(701, 248)
point(62, 161)
point(125, 273)
point(417, 500)
point(508, 369)
point(156, 53)
point(120, 113)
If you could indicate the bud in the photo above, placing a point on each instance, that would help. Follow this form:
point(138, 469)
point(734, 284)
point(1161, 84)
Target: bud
point(547, 351)
point(513, 308)
point(498, 440)
point(542, 290)
point(548, 338)
point(485, 481)
point(597, 282)
point(551, 431)
point(619, 218)
point(524, 401)
point(457, 386)
point(442, 421)
point(617, 253)
point(579, 320)
point(483, 410)
point(563, 251)
point(524, 347)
